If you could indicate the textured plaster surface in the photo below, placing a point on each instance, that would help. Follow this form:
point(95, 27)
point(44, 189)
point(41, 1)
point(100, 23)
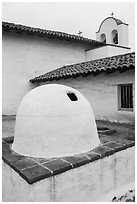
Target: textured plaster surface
point(90, 182)
point(102, 93)
point(53, 125)
point(24, 57)
point(103, 52)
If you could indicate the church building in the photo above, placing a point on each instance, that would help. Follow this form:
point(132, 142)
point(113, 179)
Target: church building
point(103, 70)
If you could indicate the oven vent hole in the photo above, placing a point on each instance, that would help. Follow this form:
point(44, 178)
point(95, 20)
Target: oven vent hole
point(72, 96)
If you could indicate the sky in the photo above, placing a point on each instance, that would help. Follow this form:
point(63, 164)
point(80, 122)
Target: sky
point(70, 17)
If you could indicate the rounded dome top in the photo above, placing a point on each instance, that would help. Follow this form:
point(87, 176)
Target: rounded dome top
point(118, 22)
point(54, 120)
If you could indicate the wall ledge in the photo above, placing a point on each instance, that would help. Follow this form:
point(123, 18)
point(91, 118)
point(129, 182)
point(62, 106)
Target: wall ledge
point(35, 169)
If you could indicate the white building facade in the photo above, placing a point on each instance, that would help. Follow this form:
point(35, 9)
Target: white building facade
point(30, 52)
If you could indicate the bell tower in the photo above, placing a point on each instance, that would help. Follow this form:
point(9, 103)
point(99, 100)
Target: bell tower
point(113, 31)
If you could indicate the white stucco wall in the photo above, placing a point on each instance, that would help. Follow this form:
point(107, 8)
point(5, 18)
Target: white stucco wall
point(97, 181)
point(98, 53)
point(123, 35)
point(24, 57)
point(101, 92)
point(106, 51)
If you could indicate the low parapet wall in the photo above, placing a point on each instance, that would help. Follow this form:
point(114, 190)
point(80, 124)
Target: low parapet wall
point(85, 177)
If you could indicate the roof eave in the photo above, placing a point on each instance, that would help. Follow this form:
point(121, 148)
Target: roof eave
point(131, 65)
point(6, 26)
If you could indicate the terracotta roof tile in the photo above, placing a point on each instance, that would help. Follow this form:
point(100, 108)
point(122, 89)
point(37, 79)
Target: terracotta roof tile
point(6, 26)
point(119, 21)
point(121, 62)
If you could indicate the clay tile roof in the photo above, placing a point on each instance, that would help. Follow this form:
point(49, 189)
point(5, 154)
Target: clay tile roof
point(6, 26)
point(118, 21)
point(121, 62)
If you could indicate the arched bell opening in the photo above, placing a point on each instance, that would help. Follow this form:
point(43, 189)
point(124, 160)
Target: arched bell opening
point(114, 37)
point(103, 38)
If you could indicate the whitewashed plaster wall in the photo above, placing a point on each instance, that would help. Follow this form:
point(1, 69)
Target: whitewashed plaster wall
point(106, 51)
point(101, 92)
point(24, 57)
point(97, 181)
point(123, 35)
